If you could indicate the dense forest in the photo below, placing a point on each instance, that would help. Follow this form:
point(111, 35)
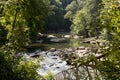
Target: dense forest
point(22, 20)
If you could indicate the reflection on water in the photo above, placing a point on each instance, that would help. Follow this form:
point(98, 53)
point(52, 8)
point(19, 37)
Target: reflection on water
point(74, 43)
point(70, 43)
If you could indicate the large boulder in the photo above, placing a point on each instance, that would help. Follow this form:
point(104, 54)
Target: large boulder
point(93, 42)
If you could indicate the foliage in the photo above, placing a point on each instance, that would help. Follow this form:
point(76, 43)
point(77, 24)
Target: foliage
point(55, 20)
point(49, 76)
point(20, 21)
point(84, 16)
point(110, 18)
point(107, 63)
point(27, 15)
point(17, 68)
point(3, 34)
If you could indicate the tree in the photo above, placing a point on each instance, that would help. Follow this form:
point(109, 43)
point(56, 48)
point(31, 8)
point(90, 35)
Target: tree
point(20, 20)
point(110, 18)
point(56, 20)
point(84, 15)
point(106, 65)
point(26, 14)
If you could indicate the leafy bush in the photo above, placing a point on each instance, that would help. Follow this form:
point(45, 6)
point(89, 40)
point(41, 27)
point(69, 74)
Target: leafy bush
point(17, 68)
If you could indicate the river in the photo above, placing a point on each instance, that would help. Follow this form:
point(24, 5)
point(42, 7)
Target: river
point(53, 64)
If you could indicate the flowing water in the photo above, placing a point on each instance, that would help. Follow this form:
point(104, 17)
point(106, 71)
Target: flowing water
point(53, 64)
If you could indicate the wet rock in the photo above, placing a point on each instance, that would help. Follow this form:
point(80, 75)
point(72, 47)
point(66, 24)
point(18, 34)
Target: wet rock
point(86, 41)
point(96, 55)
point(69, 49)
point(88, 48)
point(82, 51)
point(60, 61)
point(76, 37)
point(38, 51)
point(51, 65)
point(81, 48)
point(35, 55)
point(99, 51)
point(40, 34)
point(67, 36)
point(40, 37)
point(58, 40)
point(51, 36)
point(52, 49)
point(57, 53)
point(74, 56)
point(93, 42)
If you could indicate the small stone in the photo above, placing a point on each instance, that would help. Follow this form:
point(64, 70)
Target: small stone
point(67, 36)
point(35, 55)
point(69, 49)
point(81, 48)
point(53, 49)
point(86, 41)
point(76, 37)
point(93, 42)
point(51, 36)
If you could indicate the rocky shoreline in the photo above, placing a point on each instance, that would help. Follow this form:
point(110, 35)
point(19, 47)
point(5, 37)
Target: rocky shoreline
point(58, 60)
point(55, 60)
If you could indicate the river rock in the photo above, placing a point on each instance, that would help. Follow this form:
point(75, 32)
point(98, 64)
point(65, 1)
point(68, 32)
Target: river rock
point(52, 49)
point(67, 36)
point(58, 40)
point(36, 54)
point(40, 34)
point(93, 42)
point(76, 37)
point(88, 49)
point(51, 36)
point(69, 49)
point(81, 48)
point(86, 41)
